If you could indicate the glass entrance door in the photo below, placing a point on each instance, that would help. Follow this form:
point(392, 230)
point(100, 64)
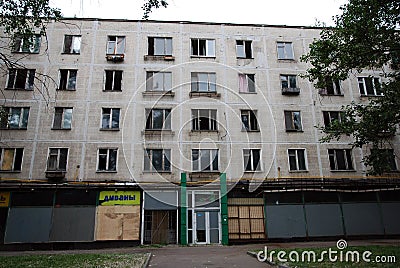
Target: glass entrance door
point(207, 227)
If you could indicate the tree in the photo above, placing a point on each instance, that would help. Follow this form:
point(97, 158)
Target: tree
point(149, 5)
point(365, 36)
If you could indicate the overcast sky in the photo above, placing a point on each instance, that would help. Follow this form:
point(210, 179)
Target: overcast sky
point(281, 12)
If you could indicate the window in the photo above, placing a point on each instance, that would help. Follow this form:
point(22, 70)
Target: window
point(67, 79)
point(204, 82)
point(340, 159)
point(72, 44)
point(331, 116)
point(369, 86)
point(251, 159)
point(11, 159)
point(157, 160)
point(246, 83)
point(14, 117)
point(297, 159)
point(107, 160)
point(57, 160)
point(243, 49)
point(205, 159)
point(28, 44)
point(158, 81)
point(332, 87)
point(249, 120)
point(387, 156)
point(21, 79)
point(160, 46)
point(62, 118)
point(110, 118)
point(116, 45)
point(288, 81)
point(113, 80)
point(285, 51)
point(204, 119)
point(203, 47)
point(158, 119)
point(293, 121)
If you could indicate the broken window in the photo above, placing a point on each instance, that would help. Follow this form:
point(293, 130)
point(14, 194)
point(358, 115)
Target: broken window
point(243, 49)
point(72, 44)
point(370, 86)
point(249, 120)
point(205, 159)
point(57, 159)
point(62, 118)
point(332, 87)
point(160, 46)
point(251, 159)
point(297, 159)
point(11, 159)
point(203, 82)
point(14, 117)
point(27, 44)
point(158, 81)
point(285, 51)
point(116, 45)
point(21, 79)
point(246, 83)
point(157, 160)
point(107, 159)
point(340, 159)
point(110, 118)
point(331, 116)
point(203, 47)
point(293, 121)
point(204, 119)
point(67, 79)
point(113, 80)
point(157, 119)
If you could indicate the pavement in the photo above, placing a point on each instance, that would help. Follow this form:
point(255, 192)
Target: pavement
point(212, 256)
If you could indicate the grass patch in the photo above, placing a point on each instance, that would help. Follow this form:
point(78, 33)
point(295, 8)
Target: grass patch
point(74, 260)
point(345, 258)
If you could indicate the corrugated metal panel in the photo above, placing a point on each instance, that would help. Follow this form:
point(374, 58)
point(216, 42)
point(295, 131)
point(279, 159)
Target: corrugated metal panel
point(362, 219)
point(285, 221)
point(118, 223)
point(73, 224)
point(160, 201)
point(245, 201)
point(391, 217)
point(28, 225)
point(324, 220)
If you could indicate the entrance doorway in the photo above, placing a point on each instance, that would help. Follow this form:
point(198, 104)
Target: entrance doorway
point(207, 227)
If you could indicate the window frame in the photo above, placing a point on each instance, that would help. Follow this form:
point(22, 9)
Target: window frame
point(212, 122)
point(247, 83)
point(165, 160)
point(211, 82)
point(65, 80)
point(110, 120)
point(71, 47)
point(250, 154)
point(23, 118)
point(19, 40)
point(17, 152)
point(348, 163)
point(118, 46)
point(244, 49)
point(14, 75)
point(166, 119)
point(251, 115)
point(327, 116)
point(108, 159)
point(209, 48)
point(62, 120)
point(333, 88)
point(113, 80)
point(292, 127)
point(297, 159)
point(152, 46)
point(286, 53)
point(210, 163)
point(288, 80)
point(58, 159)
point(365, 85)
point(166, 81)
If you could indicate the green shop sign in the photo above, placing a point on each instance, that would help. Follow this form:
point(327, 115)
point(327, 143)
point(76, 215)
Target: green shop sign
point(126, 198)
